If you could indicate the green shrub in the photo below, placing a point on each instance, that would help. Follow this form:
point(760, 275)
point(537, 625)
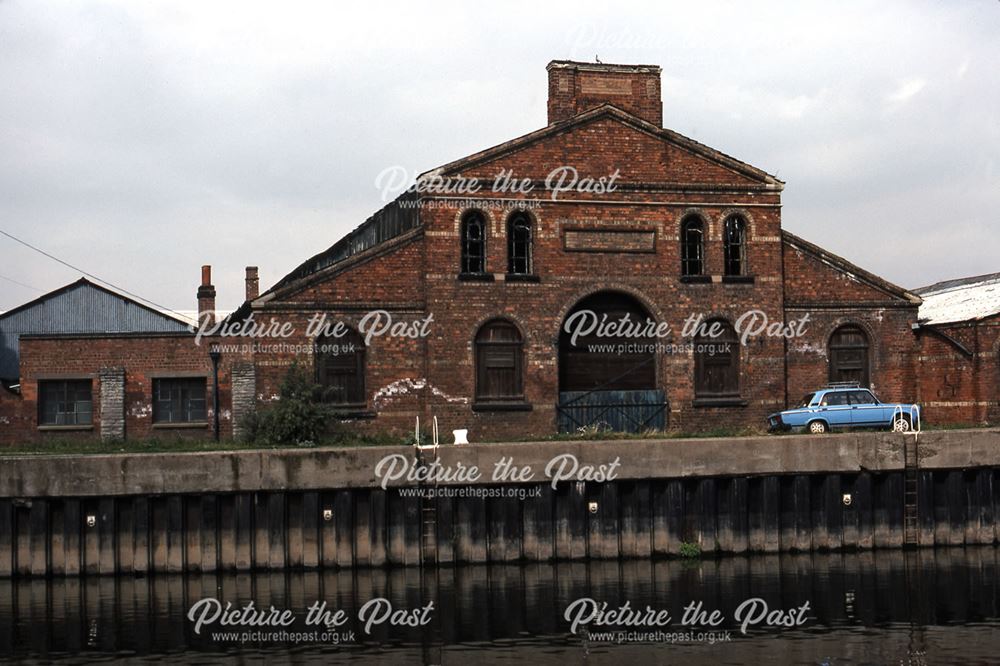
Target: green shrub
point(297, 417)
point(690, 550)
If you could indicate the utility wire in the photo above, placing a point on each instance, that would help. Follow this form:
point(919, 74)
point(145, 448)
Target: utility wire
point(92, 276)
point(20, 284)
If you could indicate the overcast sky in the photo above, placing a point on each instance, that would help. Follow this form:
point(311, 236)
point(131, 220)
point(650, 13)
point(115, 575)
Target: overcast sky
point(139, 141)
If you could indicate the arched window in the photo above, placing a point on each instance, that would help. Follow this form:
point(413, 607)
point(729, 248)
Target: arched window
point(849, 355)
point(473, 242)
point(340, 368)
point(734, 239)
point(499, 365)
point(716, 361)
point(519, 244)
point(692, 246)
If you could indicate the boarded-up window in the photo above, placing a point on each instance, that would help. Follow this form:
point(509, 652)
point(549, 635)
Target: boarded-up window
point(65, 402)
point(499, 371)
point(179, 400)
point(473, 243)
point(692, 246)
point(340, 368)
point(717, 362)
point(519, 244)
point(849, 355)
point(734, 239)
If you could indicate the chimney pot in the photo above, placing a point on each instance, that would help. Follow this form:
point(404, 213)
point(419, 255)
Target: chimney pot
point(206, 276)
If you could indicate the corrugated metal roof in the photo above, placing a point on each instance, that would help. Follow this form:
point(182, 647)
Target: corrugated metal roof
point(966, 299)
point(191, 316)
point(79, 307)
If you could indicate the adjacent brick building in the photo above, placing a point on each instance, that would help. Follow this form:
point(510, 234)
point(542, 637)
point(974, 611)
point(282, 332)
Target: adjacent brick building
point(480, 282)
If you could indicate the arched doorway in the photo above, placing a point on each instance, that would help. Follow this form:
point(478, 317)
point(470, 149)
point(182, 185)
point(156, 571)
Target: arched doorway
point(607, 366)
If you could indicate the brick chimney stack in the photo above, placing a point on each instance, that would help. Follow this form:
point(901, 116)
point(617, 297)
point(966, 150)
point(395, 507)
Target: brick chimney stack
point(575, 87)
point(253, 283)
point(206, 297)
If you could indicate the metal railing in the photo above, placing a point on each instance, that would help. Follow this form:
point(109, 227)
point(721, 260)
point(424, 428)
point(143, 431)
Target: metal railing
point(909, 416)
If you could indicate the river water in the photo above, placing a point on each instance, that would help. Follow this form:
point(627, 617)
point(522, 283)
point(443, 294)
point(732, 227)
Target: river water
point(933, 606)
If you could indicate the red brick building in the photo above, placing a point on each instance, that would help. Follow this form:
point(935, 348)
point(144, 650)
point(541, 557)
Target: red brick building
point(600, 216)
point(685, 231)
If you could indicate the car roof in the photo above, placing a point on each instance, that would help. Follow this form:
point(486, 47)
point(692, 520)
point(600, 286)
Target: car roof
point(838, 389)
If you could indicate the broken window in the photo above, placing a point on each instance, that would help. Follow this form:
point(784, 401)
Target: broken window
point(735, 243)
point(65, 402)
point(692, 246)
point(179, 400)
point(340, 368)
point(474, 243)
point(849, 355)
point(717, 362)
point(519, 244)
point(499, 371)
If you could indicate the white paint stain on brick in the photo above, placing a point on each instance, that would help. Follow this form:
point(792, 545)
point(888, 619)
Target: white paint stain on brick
point(809, 348)
point(140, 410)
point(403, 387)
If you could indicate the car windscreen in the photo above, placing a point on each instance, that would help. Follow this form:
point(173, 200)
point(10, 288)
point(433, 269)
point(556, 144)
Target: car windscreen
point(806, 400)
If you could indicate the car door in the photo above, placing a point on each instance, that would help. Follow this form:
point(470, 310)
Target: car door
point(836, 409)
point(866, 409)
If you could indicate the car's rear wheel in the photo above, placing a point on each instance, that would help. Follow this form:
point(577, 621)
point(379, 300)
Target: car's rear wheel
point(818, 427)
point(901, 423)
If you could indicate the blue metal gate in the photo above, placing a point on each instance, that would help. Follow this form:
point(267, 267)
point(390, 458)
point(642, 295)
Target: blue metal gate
point(621, 411)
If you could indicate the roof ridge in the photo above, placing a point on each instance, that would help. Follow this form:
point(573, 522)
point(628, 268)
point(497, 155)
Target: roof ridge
point(593, 113)
point(849, 266)
point(957, 283)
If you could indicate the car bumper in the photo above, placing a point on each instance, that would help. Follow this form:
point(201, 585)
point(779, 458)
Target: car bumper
point(775, 424)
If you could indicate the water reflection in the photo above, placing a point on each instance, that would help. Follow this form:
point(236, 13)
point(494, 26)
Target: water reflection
point(934, 606)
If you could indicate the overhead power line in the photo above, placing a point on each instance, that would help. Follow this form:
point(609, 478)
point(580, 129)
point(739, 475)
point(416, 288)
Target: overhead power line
point(91, 276)
point(20, 284)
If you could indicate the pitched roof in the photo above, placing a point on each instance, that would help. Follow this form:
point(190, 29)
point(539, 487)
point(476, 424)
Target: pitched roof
point(597, 113)
point(400, 216)
point(85, 282)
point(964, 299)
point(846, 266)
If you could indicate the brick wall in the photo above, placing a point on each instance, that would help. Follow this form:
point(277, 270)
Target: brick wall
point(122, 369)
point(833, 297)
point(960, 372)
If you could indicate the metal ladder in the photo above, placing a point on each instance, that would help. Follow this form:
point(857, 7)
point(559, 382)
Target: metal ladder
point(428, 505)
point(911, 469)
point(910, 492)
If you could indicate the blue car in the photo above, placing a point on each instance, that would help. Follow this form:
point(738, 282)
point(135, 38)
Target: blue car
point(845, 406)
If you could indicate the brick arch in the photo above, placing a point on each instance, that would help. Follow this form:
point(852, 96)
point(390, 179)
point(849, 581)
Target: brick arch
point(482, 321)
point(586, 292)
point(742, 212)
point(491, 220)
point(716, 315)
point(850, 321)
point(693, 212)
point(525, 210)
